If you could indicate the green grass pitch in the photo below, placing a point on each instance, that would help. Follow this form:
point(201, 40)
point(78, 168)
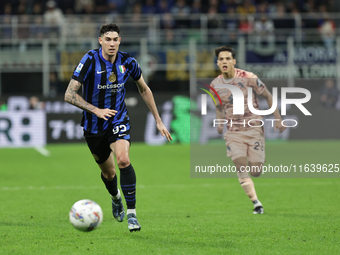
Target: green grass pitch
point(178, 214)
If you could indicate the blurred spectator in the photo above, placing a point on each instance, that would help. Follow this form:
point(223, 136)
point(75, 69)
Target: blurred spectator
point(332, 5)
point(309, 6)
point(8, 10)
point(136, 12)
point(213, 4)
point(310, 20)
point(54, 18)
point(226, 5)
point(322, 9)
point(281, 22)
point(88, 29)
point(244, 26)
point(264, 30)
point(262, 7)
point(67, 6)
point(213, 22)
point(6, 28)
point(101, 6)
point(180, 10)
point(136, 27)
point(35, 104)
point(22, 8)
point(196, 9)
point(167, 22)
point(327, 31)
point(169, 36)
point(329, 94)
point(149, 7)
point(163, 6)
point(74, 26)
point(280, 19)
point(37, 29)
point(23, 28)
point(37, 9)
point(231, 23)
point(264, 37)
point(326, 27)
point(89, 9)
point(116, 6)
point(84, 6)
point(246, 7)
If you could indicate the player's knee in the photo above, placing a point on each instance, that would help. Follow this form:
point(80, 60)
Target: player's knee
point(110, 174)
point(255, 169)
point(255, 174)
point(123, 161)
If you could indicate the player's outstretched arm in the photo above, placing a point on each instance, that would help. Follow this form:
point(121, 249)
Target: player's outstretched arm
point(73, 98)
point(147, 96)
point(278, 123)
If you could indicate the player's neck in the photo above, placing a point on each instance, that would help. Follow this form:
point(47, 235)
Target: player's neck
point(229, 75)
point(109, 58)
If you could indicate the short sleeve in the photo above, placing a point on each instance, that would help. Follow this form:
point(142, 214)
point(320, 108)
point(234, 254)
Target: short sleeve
point(83, 69)
point(255, 82)
point(134, 69)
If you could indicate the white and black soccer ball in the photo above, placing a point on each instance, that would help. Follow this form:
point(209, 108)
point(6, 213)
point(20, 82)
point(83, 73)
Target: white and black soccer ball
point(86, 215)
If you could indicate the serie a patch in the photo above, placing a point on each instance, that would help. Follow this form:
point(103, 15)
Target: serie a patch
point(79, 67)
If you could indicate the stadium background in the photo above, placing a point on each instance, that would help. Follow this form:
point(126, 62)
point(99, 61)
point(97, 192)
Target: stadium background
point(286, 43)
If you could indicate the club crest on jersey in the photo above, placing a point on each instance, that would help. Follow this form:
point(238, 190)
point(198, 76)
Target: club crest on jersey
point(122, 69)
point(112, 77)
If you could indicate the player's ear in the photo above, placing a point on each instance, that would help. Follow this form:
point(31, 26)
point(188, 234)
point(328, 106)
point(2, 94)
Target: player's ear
point(100, 40)
point(234, 60)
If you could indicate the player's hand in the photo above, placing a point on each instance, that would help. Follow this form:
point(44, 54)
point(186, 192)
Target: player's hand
point(104, 113)
point(279, 126)
point(220, 128)
point(163, 130)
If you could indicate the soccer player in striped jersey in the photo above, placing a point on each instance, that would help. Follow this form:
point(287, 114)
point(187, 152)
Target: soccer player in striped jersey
point(245, 143)
point(103, 73)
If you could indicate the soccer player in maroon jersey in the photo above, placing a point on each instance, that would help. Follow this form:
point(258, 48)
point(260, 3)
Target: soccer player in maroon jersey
point(245, 143)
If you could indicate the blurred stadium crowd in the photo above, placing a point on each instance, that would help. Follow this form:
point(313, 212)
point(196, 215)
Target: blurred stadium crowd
point(71, 26)
point(176, 7)
point(62, 18)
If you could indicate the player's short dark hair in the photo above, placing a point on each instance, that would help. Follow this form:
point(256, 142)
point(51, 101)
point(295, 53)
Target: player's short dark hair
point(225, 48)
point(108, 28)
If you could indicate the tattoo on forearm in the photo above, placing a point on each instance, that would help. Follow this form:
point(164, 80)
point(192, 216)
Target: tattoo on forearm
point(72, 97)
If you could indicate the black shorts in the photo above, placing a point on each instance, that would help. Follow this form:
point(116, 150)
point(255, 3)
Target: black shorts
point(99, 144)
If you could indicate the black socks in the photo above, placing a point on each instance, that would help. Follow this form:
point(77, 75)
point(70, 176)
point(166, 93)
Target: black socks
point(128, 184)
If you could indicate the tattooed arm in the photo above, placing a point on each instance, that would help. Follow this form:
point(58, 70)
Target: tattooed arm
point(73, 98)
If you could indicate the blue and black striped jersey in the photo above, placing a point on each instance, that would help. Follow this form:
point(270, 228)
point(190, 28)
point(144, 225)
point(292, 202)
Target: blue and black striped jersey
point(104, 86)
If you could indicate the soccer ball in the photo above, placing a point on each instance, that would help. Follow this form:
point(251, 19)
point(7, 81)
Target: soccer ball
point(86, 215)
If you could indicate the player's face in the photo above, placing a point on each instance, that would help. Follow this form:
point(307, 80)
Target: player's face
point(110, 43)
point(226, 62)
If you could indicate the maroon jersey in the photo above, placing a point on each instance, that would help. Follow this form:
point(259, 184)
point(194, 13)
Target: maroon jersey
point(243, 80)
